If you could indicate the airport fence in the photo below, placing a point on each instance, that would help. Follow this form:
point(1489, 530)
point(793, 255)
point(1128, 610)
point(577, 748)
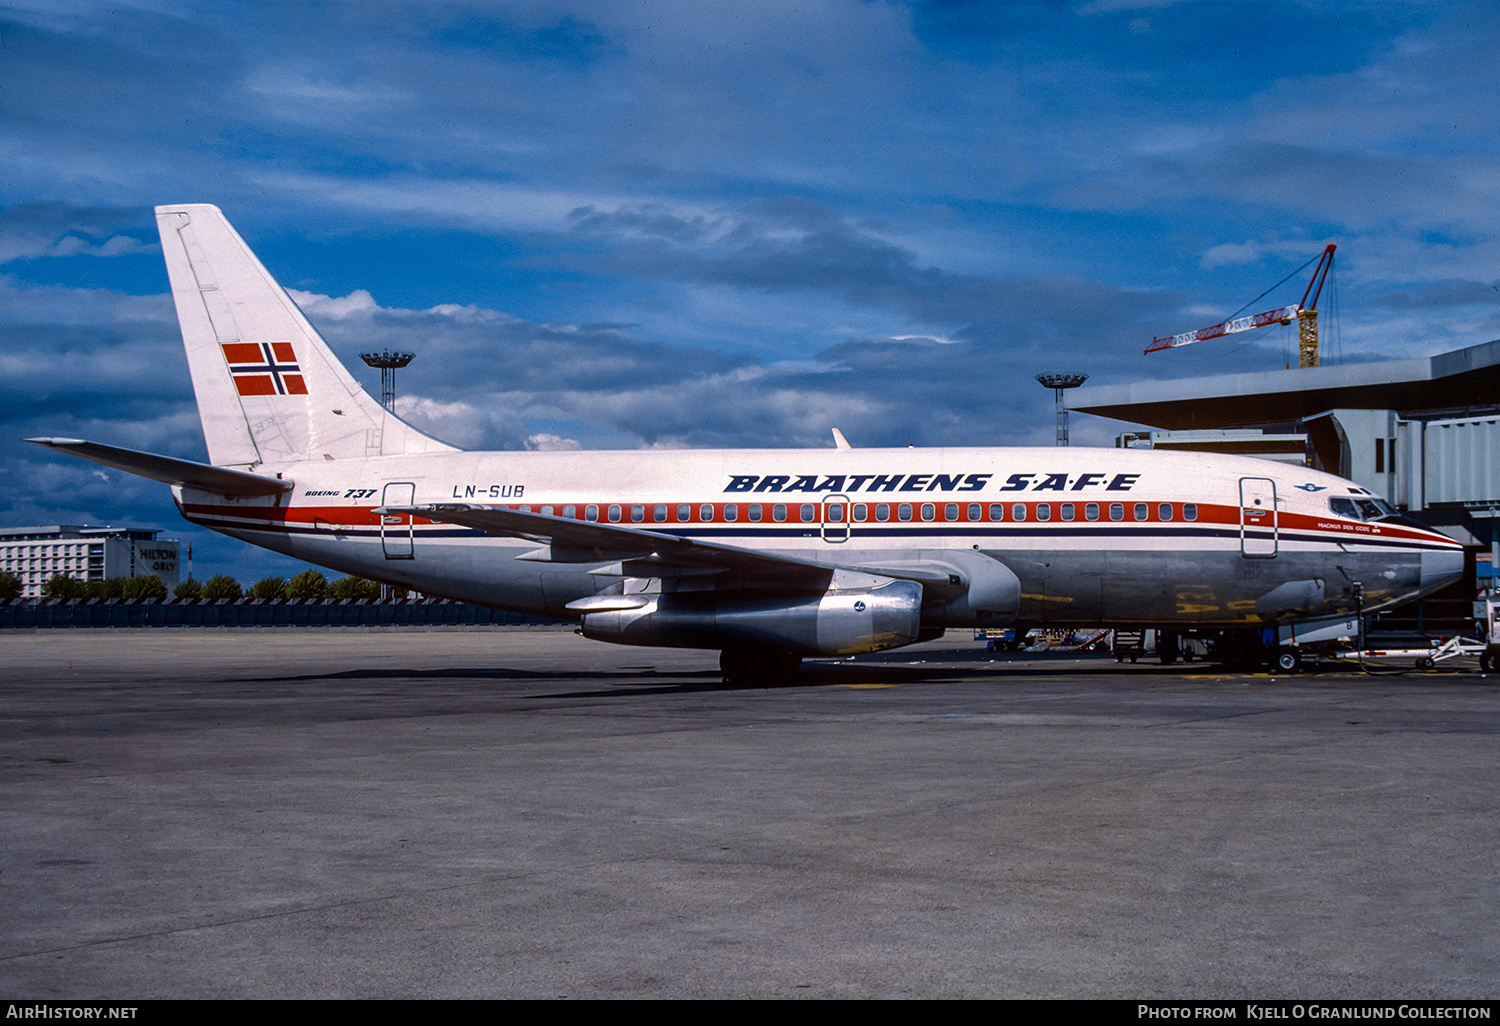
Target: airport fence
point(57, 613)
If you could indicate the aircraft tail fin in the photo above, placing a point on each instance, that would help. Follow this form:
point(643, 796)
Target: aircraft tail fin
point(269, 389)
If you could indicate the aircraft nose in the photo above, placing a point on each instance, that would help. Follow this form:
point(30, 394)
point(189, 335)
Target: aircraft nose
point(1440, 569)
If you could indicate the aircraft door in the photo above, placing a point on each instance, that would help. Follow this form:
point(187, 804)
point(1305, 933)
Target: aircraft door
point(1257, 517)
point(396, 531)
point(836, 518)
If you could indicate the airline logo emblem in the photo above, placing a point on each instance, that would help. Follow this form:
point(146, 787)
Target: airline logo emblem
point(264, 368)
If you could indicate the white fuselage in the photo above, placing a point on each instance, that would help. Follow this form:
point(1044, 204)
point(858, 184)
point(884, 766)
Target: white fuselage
point(1096, 536)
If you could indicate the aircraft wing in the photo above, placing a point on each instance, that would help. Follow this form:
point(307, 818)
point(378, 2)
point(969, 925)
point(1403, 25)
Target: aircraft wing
point(578, 540)
point(654, 553)
point(168, 469)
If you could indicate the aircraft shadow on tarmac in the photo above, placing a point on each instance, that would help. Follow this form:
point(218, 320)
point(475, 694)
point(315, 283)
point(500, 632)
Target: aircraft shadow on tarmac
point(947, 666)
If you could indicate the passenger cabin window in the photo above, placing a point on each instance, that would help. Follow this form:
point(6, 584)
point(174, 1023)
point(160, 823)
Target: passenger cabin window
point(637, 514)
point(705, 513)
point(1044, 511)
point(1117, 511)
point(591, 513)
point(659, 514)
point(684, 513)
point(809, 513)
point(1190, 511)
point(997, 511)
point(1018, 511)
point(1091, 511)
point(755, 512)
point(731, 512)
point(860, 512)
point(614, 513)
point(778, 512)
point(1164, 511)
point(1142, 511)
point(1067, 511)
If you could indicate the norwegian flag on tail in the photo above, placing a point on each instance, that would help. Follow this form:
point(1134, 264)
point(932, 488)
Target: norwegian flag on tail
point(264, 368)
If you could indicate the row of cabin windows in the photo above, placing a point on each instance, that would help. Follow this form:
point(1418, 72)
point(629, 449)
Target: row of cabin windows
point(807, 513)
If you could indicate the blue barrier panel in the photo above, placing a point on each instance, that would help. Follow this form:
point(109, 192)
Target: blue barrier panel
point(23, 615)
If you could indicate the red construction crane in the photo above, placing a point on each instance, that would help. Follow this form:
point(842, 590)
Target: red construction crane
point(1306, 313)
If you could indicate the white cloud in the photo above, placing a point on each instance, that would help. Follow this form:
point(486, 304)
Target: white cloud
point(357, 302)
point(542, 442)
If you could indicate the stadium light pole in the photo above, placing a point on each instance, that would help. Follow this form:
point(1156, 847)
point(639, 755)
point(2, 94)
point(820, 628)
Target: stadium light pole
point(1060, 383)
point(388, 361)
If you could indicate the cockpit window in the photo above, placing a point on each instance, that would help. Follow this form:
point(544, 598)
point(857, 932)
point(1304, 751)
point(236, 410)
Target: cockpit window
point(1362, 509)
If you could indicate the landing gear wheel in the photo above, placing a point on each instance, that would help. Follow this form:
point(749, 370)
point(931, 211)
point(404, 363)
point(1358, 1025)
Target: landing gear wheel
point(1166, 647)
point(1425, 663)
point(1286, 660)
point(746, 668)
point(1487, 661)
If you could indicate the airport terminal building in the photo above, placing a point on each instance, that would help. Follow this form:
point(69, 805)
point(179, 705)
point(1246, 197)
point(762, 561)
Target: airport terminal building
point(1423, 433)
point(34, 554)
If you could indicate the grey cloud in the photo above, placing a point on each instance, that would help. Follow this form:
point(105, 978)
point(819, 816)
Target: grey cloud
point(796, 244)
point(467, 350)
point(37, 229)
point(1446, 294)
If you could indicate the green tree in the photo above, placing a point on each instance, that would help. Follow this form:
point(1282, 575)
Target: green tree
point(109, 588)
point(10, 587)
point(353, 588)
point(63, 586)
point(221, 586)
point(190, 588)
point(145, 586)
point(268, 588)
point(308, 586)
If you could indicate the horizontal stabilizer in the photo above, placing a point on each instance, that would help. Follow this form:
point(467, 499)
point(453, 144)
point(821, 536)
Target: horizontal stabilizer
point(168, 469)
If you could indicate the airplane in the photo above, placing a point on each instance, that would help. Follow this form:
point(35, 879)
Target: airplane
point(768, 556)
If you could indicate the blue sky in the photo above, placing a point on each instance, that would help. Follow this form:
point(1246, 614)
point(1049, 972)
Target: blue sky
point(695, 224)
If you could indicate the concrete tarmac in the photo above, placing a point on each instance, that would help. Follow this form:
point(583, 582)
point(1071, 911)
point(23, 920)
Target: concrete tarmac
point(503, 813)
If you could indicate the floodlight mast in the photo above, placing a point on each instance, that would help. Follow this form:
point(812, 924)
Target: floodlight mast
point(1058, 383)
point(388, 361)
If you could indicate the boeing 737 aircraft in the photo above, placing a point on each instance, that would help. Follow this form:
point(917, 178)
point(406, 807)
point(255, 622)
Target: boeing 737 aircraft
point(765, 555)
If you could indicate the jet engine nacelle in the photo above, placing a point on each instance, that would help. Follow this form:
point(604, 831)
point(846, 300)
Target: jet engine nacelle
point(838, 622)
